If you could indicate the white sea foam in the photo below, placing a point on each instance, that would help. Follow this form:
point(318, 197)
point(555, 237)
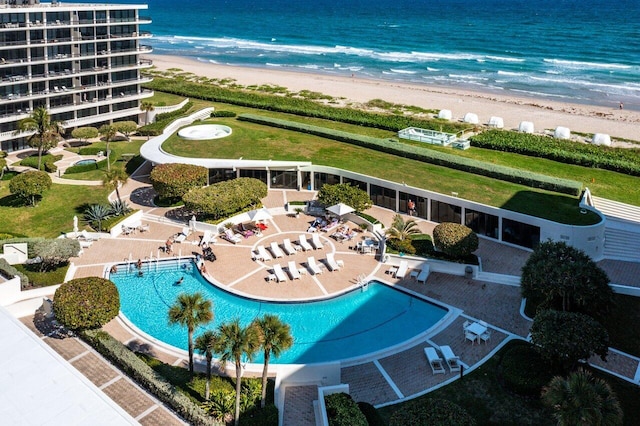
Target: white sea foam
point(269, 64)
point(467, 77)
point(504, 59)
point(584, 65)
point(510, 73)
point(397, 71)
point(433, 69)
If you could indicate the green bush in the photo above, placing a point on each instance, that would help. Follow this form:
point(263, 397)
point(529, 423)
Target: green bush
point(454, 239)
point(371, 414)
point(402, 246)
point(418, 153)
point(46, 162)
point(173, 180)
point(54, 252)
point(267, 416)
point(523, 370)
point(30, 186)
point(622, 160)
point(431, 412)
point(342, 410)
point(353, 196)
point(223, 114)
point(369, 218)
point(9, 272)
point(224, 199)
point(144, 375)
point(109, 222)
point(86, 303)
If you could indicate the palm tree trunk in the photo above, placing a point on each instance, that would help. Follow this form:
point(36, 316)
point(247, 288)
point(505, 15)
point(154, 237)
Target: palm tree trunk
point(238, 389)
point(118, 193)
point(39, 157)
point(263, 400)
point(190, 349)
point(109, 163)
point(207, 386)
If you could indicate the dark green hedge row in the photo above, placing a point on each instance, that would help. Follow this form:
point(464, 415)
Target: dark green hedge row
point(102, 164)
point(223, 114)
point(622, 160)
point(144, 375)
point(162, 121)
point(426, 155)
point(299, 106)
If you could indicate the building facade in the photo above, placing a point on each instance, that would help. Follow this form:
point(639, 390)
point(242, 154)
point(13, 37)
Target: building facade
point(80, 61)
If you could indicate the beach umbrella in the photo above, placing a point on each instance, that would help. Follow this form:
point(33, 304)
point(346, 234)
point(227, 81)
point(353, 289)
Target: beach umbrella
point(75, 224)
point(340, 209)
point(259, 214)
point(192, 223)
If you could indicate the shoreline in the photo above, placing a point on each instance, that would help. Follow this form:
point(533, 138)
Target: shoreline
point(545, 114)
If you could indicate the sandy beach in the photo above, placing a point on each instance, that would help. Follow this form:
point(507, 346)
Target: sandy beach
point(543, 113)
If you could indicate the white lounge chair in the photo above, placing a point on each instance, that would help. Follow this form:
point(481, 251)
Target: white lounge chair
point(280, 275)
point(313, 266)
point(262, 253)
point(293, 270)
point(208, 238)
point(424, 274)
point(402, 269)
point(315, 241)
point(332, 263)
point(275, 249)
point(302, 240)
point(435, 362)
point(288, 247)
point(452, 361)
point(231, 237)
point(183, 234)
point(84, 235)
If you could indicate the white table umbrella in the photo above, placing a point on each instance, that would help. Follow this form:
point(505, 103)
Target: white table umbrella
point(192, 223)
point(75, 224)
point(340, 209)
point(259, 214)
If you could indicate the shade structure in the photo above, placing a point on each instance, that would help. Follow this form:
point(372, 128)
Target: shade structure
point(562, 133)
point(525, 127)
point(75, 224)
point(259, 214)
point(192, 223)
point(471, 118)
point(340, 209)
point(445, 114)
point(601, 139)
point(496, 122)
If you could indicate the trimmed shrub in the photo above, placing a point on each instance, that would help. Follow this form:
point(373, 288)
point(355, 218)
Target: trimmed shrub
point(523, 370)
point(9, 272)
point(30, 186)
point(522, 177)
point(54, 252)
point(173, 180)
point(46, 163)
point(431, 412)
point(353, 196)
point(454, 239)
point(86, 303)
point(84, 133)
point(402, 246)
point(144, 375)
point(226, 198)
point(223, 114)
point(267, 416)
point(342, 410)
point(373, 417)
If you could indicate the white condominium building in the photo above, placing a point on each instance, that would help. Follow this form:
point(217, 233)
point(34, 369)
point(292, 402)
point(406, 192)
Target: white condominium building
point(81, 61)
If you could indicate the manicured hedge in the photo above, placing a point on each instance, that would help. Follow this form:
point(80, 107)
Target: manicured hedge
point(299, 106)
point(173, 180)
point(523, 370)
point(522, 177)
point(223, 199)
point(9, 272)
point(455, 239)
point(223, 113)
point(86, 303)
point(102, 164)
point(623, 160)
point(46, 162)
point(342, 410)
point(144, 375)
point(431, 412)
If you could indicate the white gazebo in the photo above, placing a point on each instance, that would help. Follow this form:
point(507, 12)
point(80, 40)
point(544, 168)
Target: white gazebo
point(525, 127)
point(445, 114)
point(601, 139)
point(340, 209)
point(471, 118)
point(259, 215)
point(496, 122)
point(562, 133)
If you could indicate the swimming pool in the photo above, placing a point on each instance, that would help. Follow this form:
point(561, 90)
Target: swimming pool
point(344, 327)
point(84, 162)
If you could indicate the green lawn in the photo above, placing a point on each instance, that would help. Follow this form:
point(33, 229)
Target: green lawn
point(118, 149)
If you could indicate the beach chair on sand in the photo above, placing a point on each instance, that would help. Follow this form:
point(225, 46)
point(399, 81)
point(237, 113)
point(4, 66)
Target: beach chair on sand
point(313, 266)
point(293, 270)
point(279, 273)
point(315, 241)
point(302, 240)
point(275, 249)
point(288, 247)
point(435, 362)
point(452, 361)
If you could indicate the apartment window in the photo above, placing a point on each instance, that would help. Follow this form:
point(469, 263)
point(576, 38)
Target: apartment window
point(383, 197)
point(421, 204)
point(284, 179)
point(482, 223)
point(445, 212)
point(256, 174)
point(519, 233)
point(320, 179)
point(357, 183)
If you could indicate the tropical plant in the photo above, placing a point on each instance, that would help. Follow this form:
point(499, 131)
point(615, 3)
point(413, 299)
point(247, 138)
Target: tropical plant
point(205, 344)
point(275, 337)
point(581, 399)
point(564, 338)
point(235, 343)
point(343, 410)
point(173, 180)
point(345, 193)
point(108, 132)
point(86, 303)
point(53, 252)
point(3, 163)
point(95, 214)
point(191, 311)
point(84, 133)
point(559, 276)
point(431, 412)
point(226, 198)
point(30, 185)
point(147, 107)
point(112, 179)
point(455, 240)
point(125, 127)
point(47, 132)
point(402, 229)
point(119, 208)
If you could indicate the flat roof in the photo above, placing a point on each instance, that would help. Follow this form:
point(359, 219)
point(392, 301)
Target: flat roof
point(37, 386)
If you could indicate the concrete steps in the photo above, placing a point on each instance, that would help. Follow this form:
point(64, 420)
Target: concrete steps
point(617, 210)
point(621, 244)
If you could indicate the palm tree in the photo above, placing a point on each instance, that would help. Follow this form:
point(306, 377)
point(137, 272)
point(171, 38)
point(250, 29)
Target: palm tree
point(234, 343)
point(191, 311)
point(147, 107)
point(275, 337)
point(401, 229)
point(46, 134)
point(205, 344)
point(114, 178)
point(582, 400)
point(96, 213)
point(108, 132)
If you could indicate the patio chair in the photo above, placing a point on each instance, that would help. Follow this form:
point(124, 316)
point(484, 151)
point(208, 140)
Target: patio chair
point(402, 269)
point(183, 234)
point(84, 235)
point(288, 247)
point(302, 240)
point(315, 241)
point(435, 362)
point(279, 273)
point(313, 266)
point(275, 249)
point(293, 270)
point(424, 274)
point(452, 361)
point(472, 337)
point(231, 237)
point(332, 263)
point(208, 238)
point(262, 253)
point(486, 335)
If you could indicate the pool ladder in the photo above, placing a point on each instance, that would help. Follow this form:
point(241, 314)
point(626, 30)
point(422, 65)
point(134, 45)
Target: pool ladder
point(362, 282)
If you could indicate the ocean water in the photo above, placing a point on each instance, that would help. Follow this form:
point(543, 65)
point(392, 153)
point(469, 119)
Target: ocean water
point(584, 51)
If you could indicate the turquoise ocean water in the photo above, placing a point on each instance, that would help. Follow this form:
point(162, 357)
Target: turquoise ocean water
point(584, 51)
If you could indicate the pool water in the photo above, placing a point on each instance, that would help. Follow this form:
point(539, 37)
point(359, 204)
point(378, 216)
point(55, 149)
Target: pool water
point(84, 162)
point(344, 327)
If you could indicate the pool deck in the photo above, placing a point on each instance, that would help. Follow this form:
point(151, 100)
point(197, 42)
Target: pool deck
point(382, 380)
